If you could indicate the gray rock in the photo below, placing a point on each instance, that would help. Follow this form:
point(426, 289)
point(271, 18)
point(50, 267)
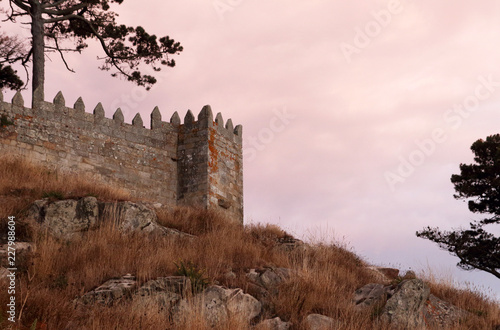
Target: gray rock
point(131, 216)
point(274, 324)
point(242, 305)
point(290, 243)
point(160, 302)
point(180, 285)
point(216, 304)
point(320, 322)
point(67, 217)
point(210, 303)
point(372, 294)
point(409, 275)
point(36, 210)
point(110, 291)
point(405, 308)
point(269, 278)
point(442, 314)
point(272, 278)
point(162, 293)
point(264, 284)
point(136, 217)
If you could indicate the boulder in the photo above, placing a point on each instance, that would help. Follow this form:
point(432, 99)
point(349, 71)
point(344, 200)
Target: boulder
point(289, 243)
point(441, 314)
point(273, 324)
point(242, 305)
point(162, 293)
point(320, 322)
point(137, 217)
point(110, 291)
point(269, 278)
point(67, 217)
point(372, 294)
point(216, 304)
point(405, 308)
point(264, 283)
point(131, 216)
point(176, 284)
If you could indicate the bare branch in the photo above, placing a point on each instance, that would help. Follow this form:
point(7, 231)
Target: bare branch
point(63, 49)
point(27, 58)
point(62, 18)
point(66, 11)
point(27, 76)
point(62, 55)
point(24, 5)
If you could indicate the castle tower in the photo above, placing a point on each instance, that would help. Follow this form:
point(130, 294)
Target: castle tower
point(210, 159)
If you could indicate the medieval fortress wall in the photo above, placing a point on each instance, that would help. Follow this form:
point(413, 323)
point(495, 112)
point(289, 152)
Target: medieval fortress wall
point(198, 162)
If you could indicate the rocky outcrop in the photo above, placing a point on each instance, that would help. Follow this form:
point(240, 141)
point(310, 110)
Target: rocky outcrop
point(66, 218)
point(408, 305)
point(441, 314)
point(264, 284)
point(162, 293)
point(269, 278)
point(290, 243)
point(405, 308)
point(372, 294)
point(216, 304)
point(173, 296)
point(110, 292)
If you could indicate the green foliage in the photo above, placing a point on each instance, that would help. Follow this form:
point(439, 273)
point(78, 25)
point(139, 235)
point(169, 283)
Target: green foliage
point(481, 181)
point(478, 183)
point(197, 276)
point(11, 50)
point(53, 195)
point(9, 78)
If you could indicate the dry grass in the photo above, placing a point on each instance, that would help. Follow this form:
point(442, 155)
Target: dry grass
point(483, 313)
point(59, 271)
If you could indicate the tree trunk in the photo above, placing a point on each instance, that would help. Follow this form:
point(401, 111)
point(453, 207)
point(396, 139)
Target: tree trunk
point(38, 45)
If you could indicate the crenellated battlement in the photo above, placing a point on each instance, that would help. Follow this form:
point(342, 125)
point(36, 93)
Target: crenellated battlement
point(194, 162)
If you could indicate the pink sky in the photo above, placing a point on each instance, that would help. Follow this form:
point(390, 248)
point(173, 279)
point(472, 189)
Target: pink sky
point(333, 98)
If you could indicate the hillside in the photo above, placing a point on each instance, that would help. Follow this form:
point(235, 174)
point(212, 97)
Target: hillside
point(54, 275)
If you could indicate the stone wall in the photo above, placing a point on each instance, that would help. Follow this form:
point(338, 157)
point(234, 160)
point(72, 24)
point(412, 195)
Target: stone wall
point(195, 163)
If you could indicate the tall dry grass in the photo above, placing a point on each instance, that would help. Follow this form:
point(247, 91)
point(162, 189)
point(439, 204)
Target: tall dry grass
point(59, 271)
